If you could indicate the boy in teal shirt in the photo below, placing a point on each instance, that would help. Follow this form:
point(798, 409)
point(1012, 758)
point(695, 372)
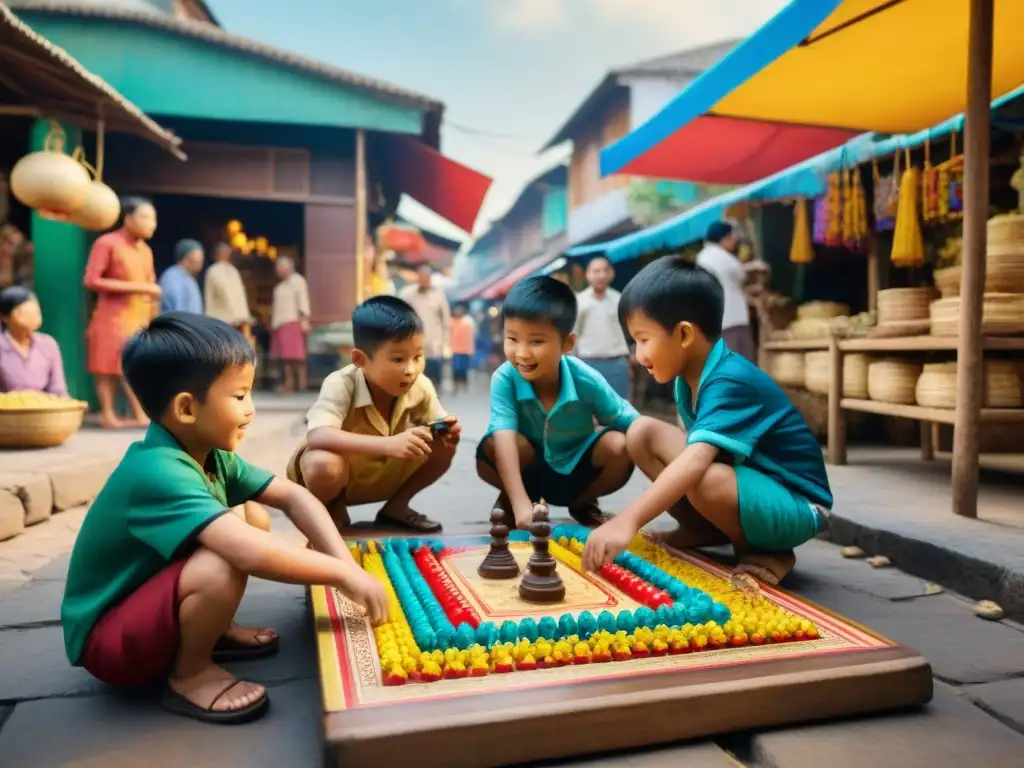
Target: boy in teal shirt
point(747, 469)
point(542, 441)
point(161, 561)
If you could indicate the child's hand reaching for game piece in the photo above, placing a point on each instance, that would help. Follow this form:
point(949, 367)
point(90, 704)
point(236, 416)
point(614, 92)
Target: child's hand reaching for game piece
point(364, 590)
point(412, 444)
point(607, 542)
point(524, 515)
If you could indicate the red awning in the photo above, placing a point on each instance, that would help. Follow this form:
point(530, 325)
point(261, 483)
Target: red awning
point(451, 190)
point(724, 150)
point(499, 288)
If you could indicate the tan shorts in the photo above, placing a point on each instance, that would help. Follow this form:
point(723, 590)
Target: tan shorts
point(369, 483)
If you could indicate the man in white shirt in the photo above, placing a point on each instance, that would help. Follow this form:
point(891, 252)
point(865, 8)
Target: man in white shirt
point(600, 341)
point(718, 257)
point(431, 305)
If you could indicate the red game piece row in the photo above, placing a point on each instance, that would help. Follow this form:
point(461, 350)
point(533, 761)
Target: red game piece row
point(456, 607)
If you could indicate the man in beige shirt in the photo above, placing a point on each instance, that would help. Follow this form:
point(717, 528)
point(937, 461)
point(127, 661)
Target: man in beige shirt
point(367, 437)
point(431, 305)
point(600, 341)
point(289, 324)
point(224, 291)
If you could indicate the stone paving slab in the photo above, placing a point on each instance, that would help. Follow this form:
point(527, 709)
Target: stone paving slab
point(39, 668)
point(35, 603)
point(704, 754)
point(1003, 699)
point(947, 733)
point(825, 560)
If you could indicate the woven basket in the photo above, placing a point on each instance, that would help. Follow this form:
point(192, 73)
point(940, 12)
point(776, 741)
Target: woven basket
point(821, 310)
point(855, 376)
point(810, 328)
point(893, 381)
point(1006, 230)
point(40, 427)
point(1002, 315)
point(788, 368)
point(936, 387)
point(817, 372)
point(900, 305)
point(1004, 273)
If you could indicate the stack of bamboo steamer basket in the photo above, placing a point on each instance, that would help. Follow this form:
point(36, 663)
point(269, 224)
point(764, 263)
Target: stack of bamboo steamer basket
point(818, 376)
point(814, 319)
point(893, 381)
point(903, 311)
point(787, 368)
point(936, 386)
point(1003, 306)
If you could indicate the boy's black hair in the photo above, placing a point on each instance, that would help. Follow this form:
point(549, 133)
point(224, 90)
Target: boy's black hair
point(382, 319)
point(181, 352)
point(672, 290)
point(544, 299)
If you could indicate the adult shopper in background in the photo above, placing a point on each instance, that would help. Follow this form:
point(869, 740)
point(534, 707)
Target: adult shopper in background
point(181, 291)
point(224, 291)
point(600, 341)
point(719, 257)
point(289, 324)
point(431, 305)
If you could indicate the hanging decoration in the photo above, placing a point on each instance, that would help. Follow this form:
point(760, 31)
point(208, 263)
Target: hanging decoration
point(855, 212)
point(802, 250)
point(102, 207)
point(951, 185)
point(820, 217)
point(834, 211)
point(887, 194)
point(907, 243)
point(51, 182)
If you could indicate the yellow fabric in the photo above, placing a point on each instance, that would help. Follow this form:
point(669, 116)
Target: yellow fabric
point(802, 250)
point(345, 403)
point(898, 71)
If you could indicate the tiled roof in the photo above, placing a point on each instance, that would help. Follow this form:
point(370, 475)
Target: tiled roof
point(38, 66)
point(141, 12)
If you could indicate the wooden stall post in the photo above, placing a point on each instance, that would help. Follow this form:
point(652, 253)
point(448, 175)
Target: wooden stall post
point(969, 382)
point(873, 281)
point(836, 422)
point(360, 215)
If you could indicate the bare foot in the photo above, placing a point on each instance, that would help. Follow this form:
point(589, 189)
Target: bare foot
point(250, 636)
point(588, 514)
point(203, 689)
point(110, 421)
point(140, 421)
point(683, 538)
point(769, 567)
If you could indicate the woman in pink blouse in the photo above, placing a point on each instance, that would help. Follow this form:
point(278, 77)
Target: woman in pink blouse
point(29, 360)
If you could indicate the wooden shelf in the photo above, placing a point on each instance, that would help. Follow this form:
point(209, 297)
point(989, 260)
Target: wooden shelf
point(795, 345)
point(926, 343)
point(920, 413)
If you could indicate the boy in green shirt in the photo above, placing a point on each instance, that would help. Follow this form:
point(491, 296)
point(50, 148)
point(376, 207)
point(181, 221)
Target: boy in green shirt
point(161, 561)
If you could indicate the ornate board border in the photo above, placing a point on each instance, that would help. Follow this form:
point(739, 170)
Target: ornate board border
point(534, 715)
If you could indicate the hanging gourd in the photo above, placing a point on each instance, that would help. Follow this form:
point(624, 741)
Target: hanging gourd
point(907, 243)
point(102, 208)
point(49, 181)
point(834, 206)
point(802, 250)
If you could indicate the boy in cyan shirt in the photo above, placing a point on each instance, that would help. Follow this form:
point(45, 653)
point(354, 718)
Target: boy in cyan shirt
point(747, 468)
point(162, 558)
point(542, 441)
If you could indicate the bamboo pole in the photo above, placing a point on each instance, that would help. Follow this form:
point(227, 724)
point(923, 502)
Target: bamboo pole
point(360, 215)
point(972, 281)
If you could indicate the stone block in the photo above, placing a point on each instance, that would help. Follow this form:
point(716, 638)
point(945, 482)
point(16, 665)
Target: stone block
point(826, 561)
point(1003, 699)
point(77, 484)
point(36, 602)
point(949, 731)
point(705, 754)
point(12, 514)
point(36, 494)
point(40, 668)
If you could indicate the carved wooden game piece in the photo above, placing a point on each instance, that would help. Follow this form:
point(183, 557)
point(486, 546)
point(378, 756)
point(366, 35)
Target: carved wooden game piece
point(541, 584)
point(499, 562)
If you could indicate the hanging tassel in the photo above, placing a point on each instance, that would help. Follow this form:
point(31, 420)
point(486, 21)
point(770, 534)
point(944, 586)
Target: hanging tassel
point(907, 243)
point(801, 251)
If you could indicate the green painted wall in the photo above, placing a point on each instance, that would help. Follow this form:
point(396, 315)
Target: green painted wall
point(61, 251)
point(169, 74)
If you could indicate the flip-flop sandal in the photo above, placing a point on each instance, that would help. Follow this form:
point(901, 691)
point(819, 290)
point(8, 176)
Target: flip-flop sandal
point(589, 515)
point(413, 521)
point(177, 704)
point(230, 649)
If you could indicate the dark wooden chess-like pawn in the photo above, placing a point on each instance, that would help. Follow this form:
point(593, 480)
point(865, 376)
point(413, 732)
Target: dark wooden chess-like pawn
point(499, 562)
point(541, 584)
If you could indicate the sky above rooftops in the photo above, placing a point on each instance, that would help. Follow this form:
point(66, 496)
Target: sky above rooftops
point(509, 71)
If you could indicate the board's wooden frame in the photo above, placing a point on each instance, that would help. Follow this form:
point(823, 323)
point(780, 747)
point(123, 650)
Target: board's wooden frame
point(578, 717)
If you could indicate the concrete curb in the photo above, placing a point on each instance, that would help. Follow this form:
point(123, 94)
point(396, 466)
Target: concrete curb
point(955, 570)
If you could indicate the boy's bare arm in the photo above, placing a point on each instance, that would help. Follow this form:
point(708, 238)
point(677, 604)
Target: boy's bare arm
point(261, 554)
point(678, 480)
point(506, 459)
point(411, 444)
point(309, 515)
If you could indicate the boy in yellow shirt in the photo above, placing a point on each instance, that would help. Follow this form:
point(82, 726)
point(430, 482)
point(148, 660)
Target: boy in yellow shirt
point(378, 431)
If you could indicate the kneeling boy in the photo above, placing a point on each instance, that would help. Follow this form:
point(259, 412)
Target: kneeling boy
point(160, 563)
point(367, 437)
point(541, 442)
point(747, 470)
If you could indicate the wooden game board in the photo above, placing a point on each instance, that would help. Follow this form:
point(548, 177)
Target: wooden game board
point(500, 719)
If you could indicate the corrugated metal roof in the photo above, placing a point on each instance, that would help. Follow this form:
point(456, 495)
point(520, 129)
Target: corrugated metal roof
point(140, 12)
point(81, 96)
point(682, 64)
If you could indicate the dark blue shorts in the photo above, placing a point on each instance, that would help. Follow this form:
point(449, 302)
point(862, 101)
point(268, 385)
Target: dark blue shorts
point(543, 482)
point(460, 367)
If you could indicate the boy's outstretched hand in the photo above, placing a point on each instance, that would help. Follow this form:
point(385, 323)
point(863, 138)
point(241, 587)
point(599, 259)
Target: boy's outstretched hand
point(366, 591)
point(412, 444)
point(607, 542)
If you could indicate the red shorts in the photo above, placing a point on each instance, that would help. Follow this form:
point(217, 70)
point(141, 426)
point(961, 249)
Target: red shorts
point(135, 642)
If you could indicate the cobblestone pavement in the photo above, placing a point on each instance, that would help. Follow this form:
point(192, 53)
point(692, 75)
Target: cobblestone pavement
point(54, 715)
